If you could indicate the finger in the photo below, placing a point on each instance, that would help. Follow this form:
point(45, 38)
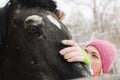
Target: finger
point(68, 50)
point(76, 59)
point(72, 54)
point(69, 43)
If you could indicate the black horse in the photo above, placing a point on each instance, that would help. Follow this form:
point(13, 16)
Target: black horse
point(31, 49)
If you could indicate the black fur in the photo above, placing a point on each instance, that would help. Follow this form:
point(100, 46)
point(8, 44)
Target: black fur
point(43, 4)
point(32, 53)
point(3, 27)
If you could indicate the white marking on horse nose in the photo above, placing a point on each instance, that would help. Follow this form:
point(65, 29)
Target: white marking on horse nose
point(54, 21)
point(35, 18)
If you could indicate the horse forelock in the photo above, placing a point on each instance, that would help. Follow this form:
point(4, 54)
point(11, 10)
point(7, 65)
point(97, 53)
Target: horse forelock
point(42, 4)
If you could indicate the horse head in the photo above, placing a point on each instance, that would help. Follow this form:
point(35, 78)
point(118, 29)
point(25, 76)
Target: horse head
point(34, 35)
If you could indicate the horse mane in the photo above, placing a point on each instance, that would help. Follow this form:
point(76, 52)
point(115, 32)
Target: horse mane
point(42, 4)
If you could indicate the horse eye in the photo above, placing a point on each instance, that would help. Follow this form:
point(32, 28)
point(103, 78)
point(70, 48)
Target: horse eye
point(34, 30)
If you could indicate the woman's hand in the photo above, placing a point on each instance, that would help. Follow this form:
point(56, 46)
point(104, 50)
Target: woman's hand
point(74, 53)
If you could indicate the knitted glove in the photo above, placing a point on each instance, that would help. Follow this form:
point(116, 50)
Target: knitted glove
point(86, 57)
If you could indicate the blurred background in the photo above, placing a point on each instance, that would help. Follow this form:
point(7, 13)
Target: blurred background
point(92, 19)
